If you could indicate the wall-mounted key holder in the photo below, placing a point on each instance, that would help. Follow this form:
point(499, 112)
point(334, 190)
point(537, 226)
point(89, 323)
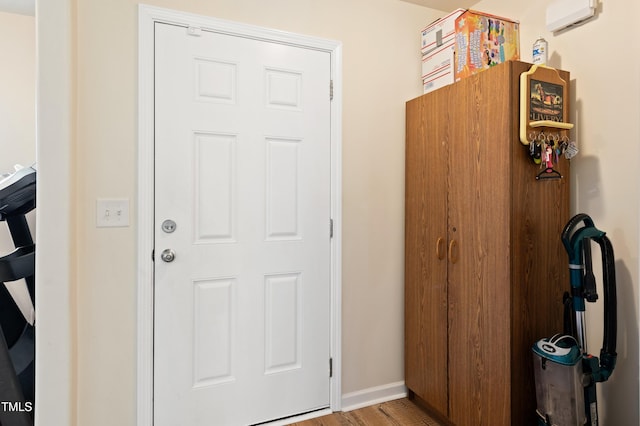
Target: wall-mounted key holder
point(542, 102)
point(545, 150)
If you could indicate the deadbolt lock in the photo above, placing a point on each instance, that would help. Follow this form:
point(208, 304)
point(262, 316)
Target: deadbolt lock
point(168, 226)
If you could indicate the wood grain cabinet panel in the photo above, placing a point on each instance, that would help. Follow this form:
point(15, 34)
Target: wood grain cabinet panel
point(485, 269)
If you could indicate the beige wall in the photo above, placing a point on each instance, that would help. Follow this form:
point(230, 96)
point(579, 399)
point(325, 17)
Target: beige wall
point(17, 98)
point(18, 89)
point(605, 74)
point(380, 72)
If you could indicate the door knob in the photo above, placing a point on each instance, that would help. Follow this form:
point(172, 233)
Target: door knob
point(168, 255)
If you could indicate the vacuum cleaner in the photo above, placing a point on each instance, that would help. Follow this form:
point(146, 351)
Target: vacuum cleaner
point(565, 373)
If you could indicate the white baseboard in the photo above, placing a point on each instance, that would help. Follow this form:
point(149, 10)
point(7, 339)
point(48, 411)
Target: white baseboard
point(353, 401)
point(375, 395)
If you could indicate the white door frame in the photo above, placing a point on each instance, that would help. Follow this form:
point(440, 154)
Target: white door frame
point(147, 17)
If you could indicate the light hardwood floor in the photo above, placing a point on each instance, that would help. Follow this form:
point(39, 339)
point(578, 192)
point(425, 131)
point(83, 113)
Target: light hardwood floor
point(400, 412)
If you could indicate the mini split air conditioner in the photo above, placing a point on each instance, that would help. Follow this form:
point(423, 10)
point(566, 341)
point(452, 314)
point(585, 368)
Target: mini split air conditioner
point(562, 14)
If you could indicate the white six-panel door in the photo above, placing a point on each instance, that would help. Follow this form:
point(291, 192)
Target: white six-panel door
point(242, 171)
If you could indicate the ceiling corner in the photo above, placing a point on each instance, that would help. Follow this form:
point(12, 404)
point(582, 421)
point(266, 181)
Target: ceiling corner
point(444, 5)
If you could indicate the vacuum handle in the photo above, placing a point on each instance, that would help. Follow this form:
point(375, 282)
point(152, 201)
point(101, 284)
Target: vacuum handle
point(570, 231)
point(575, 221)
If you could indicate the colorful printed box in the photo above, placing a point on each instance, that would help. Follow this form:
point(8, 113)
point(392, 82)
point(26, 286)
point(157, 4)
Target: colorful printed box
point(482, 41)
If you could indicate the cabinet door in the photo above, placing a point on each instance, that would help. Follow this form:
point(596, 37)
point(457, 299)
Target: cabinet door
point(425, 249)
point(479, 314)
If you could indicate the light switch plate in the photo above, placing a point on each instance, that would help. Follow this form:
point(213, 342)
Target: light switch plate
point(112, 212)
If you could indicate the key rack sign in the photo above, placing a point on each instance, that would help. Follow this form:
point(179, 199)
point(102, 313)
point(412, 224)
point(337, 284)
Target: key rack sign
point(542, 102)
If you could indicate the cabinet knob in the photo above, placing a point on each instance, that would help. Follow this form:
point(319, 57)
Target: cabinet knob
point(453, 251)
point(440, 253)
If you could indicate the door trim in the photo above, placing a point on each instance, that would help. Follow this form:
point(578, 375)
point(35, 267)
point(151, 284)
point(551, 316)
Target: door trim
point(147, 17)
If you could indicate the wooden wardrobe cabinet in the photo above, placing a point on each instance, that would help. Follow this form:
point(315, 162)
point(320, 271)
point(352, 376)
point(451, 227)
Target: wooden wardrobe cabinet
point(485, 268)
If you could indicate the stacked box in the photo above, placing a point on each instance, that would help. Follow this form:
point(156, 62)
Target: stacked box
point(437, 68)
point(438, 47)
point(482, 41)
point(439, 32)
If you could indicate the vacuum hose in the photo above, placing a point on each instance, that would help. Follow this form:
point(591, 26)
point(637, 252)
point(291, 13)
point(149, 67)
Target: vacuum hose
point(577, 243)
point(608, 352)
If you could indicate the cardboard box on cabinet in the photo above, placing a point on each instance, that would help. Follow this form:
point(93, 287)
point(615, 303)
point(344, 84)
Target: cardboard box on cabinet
point(438, 47)
point(437, 68)
point(440, 32)
point(482, 41)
